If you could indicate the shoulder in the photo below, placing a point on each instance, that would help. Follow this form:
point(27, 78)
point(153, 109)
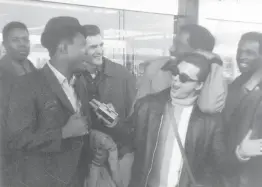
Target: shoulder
point(118, 70)
point(154, 65)
point(211, 120)
point(155, 101)
point(28, 82)
point(156, 61)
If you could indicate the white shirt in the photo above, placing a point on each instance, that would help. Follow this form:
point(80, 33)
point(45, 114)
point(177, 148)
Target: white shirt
point(173, 161)
point(67, 87)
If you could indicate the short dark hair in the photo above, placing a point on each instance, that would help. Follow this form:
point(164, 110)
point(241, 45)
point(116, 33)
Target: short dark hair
point(199, 61)
point(252, 36)
point(51, 40)
point(91, 30)
point(11, 26)
point(199, 37)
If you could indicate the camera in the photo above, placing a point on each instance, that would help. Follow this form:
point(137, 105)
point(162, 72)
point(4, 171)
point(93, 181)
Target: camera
point(105, 112)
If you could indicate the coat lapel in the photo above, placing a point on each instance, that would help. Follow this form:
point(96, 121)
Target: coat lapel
point(6, 63)
point(190, 146)
point(82, 94)
point(57, 88)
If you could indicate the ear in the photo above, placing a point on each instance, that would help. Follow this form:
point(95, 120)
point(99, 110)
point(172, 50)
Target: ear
point(199, 86)
point(62, 48)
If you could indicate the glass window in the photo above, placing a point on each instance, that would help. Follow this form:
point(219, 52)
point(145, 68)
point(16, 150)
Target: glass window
point(147, 36)
point(36, 14)
point(129, 37)
point(238, 18)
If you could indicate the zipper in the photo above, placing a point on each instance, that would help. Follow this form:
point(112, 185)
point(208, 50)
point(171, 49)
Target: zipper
point(154, 152)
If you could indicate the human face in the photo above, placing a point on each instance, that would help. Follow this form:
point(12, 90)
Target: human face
point(248, 56)
point(181, 44)
point(182, 88)
point(76, 52)
point(17, 44)
point(94, 46)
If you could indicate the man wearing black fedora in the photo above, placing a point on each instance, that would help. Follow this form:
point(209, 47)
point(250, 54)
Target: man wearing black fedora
point(47, 119)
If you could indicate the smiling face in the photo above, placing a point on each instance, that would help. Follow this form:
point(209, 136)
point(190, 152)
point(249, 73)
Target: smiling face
point(94, 47)
point(185, 81)
point(248, 56)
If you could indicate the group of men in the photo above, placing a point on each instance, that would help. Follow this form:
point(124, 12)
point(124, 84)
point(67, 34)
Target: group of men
point(180, 127)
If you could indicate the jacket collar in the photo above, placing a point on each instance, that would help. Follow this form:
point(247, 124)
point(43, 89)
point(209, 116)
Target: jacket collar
point(163, 97)
point(109, 67)
point(56, 87)
point(6, 64)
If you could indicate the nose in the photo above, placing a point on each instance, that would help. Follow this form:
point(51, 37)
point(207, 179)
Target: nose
point(99, 50)
point(175, 79)
point(243, 56)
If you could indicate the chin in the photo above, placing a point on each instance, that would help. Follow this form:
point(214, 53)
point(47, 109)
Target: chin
point(98, 62)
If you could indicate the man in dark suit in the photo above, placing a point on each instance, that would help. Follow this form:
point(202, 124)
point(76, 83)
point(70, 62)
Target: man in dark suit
point(47, 118)
point(242, 115)
point(13, 65)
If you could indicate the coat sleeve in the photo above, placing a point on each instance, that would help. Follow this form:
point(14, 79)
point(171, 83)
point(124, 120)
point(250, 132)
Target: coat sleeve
point(218, 144)
point(213, 95)
point(25, 131)
point(140, 122)
point(121, 131)
point(130, 93)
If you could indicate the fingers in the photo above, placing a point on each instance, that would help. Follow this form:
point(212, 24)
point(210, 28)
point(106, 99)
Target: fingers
point(85, 133)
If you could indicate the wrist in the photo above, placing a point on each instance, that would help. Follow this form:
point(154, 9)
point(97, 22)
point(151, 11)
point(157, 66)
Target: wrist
point(95, 163)
point(241, 155)
point(65, 133)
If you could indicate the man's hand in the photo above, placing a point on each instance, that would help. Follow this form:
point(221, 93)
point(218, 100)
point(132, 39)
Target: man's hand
point(250, 148)
point(108, 124)
point(100, 156)
point(76, 126)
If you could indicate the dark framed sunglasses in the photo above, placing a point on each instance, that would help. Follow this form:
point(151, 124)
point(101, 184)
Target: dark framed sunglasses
point(182, 76)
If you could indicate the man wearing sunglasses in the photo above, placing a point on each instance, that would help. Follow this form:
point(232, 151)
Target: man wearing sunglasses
point(191, 38)
point(158, 159)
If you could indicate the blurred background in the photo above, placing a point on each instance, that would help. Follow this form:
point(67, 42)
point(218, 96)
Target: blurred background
point(138, 30)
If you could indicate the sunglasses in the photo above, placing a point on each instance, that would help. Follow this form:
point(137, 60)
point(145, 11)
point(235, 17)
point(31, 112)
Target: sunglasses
point(182, 76)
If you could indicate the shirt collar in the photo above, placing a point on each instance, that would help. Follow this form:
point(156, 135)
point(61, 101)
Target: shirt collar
point(60, 77)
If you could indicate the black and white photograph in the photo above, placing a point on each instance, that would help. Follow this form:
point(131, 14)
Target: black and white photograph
point(130, 93)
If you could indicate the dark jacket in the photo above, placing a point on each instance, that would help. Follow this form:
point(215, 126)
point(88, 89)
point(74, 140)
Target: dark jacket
point(204, 146)
point(38, 110)
point(243, 112)
point(115, 85)
point(8, 75)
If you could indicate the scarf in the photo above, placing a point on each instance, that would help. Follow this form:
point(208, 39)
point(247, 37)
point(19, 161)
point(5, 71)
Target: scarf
point(183, 102)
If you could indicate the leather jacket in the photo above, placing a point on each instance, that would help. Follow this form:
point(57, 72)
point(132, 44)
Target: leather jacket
point(204, 145)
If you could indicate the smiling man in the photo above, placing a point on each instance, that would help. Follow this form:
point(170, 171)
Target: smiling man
point(242, 114)
point(158, 161)
point(106, 81)
point(112, 84)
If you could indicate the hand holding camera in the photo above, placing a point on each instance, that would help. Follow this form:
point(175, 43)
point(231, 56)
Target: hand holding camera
point(105, 112)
